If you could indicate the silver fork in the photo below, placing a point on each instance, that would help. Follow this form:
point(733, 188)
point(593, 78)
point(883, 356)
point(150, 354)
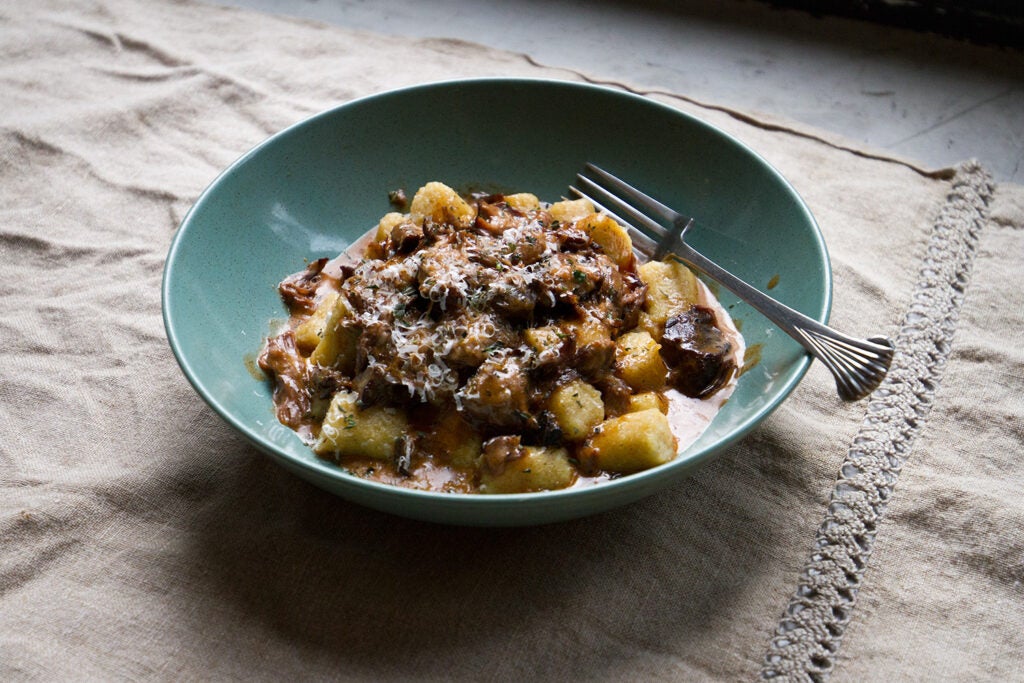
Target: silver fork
point(858, 365)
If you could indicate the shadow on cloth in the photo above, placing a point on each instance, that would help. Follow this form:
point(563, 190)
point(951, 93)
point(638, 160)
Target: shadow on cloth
point(363, 592)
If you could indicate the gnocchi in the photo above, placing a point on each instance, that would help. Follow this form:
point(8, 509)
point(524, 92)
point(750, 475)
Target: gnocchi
point(494, 344)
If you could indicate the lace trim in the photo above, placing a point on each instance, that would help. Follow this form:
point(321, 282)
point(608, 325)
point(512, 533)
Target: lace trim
point(808, 636)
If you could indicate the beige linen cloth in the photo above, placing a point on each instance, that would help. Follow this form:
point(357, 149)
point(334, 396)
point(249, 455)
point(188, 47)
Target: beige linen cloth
point(141, 538)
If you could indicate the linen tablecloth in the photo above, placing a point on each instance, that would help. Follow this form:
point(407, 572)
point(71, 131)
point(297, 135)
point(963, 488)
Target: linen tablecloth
point(142, 538)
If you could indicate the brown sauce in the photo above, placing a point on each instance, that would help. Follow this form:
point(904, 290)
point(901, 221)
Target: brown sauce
point(751, 357)
point(251, 366)
point(465, 328)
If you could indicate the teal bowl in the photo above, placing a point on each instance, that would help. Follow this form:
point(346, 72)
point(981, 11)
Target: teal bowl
point(313, 188)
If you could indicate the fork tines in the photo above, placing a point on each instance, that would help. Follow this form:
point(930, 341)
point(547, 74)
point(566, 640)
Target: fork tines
point(858, 365)
point(633, 209)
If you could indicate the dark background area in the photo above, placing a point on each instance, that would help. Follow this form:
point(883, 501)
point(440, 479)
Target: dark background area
point(986, 22)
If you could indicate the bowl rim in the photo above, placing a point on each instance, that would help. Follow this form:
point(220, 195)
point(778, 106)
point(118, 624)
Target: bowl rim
point(344, 478)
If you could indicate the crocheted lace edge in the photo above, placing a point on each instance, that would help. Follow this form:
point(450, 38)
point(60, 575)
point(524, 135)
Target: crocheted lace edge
point(809, 634)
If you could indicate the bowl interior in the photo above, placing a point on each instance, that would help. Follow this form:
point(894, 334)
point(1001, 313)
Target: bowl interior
point(313, 188)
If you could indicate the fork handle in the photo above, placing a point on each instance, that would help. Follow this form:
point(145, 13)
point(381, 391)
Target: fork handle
point(858, 365)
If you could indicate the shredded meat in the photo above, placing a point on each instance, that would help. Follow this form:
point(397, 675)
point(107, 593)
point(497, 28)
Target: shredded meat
point(299, 290)
point(469, 327)
point(495, 396)
point(501, 450)
point(442, 310)
point(292, 395)
point(697, 352)
point(406, 236)
point(615, 393)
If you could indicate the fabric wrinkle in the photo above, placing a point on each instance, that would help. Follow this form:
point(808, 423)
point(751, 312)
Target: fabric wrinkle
point(142, 537)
